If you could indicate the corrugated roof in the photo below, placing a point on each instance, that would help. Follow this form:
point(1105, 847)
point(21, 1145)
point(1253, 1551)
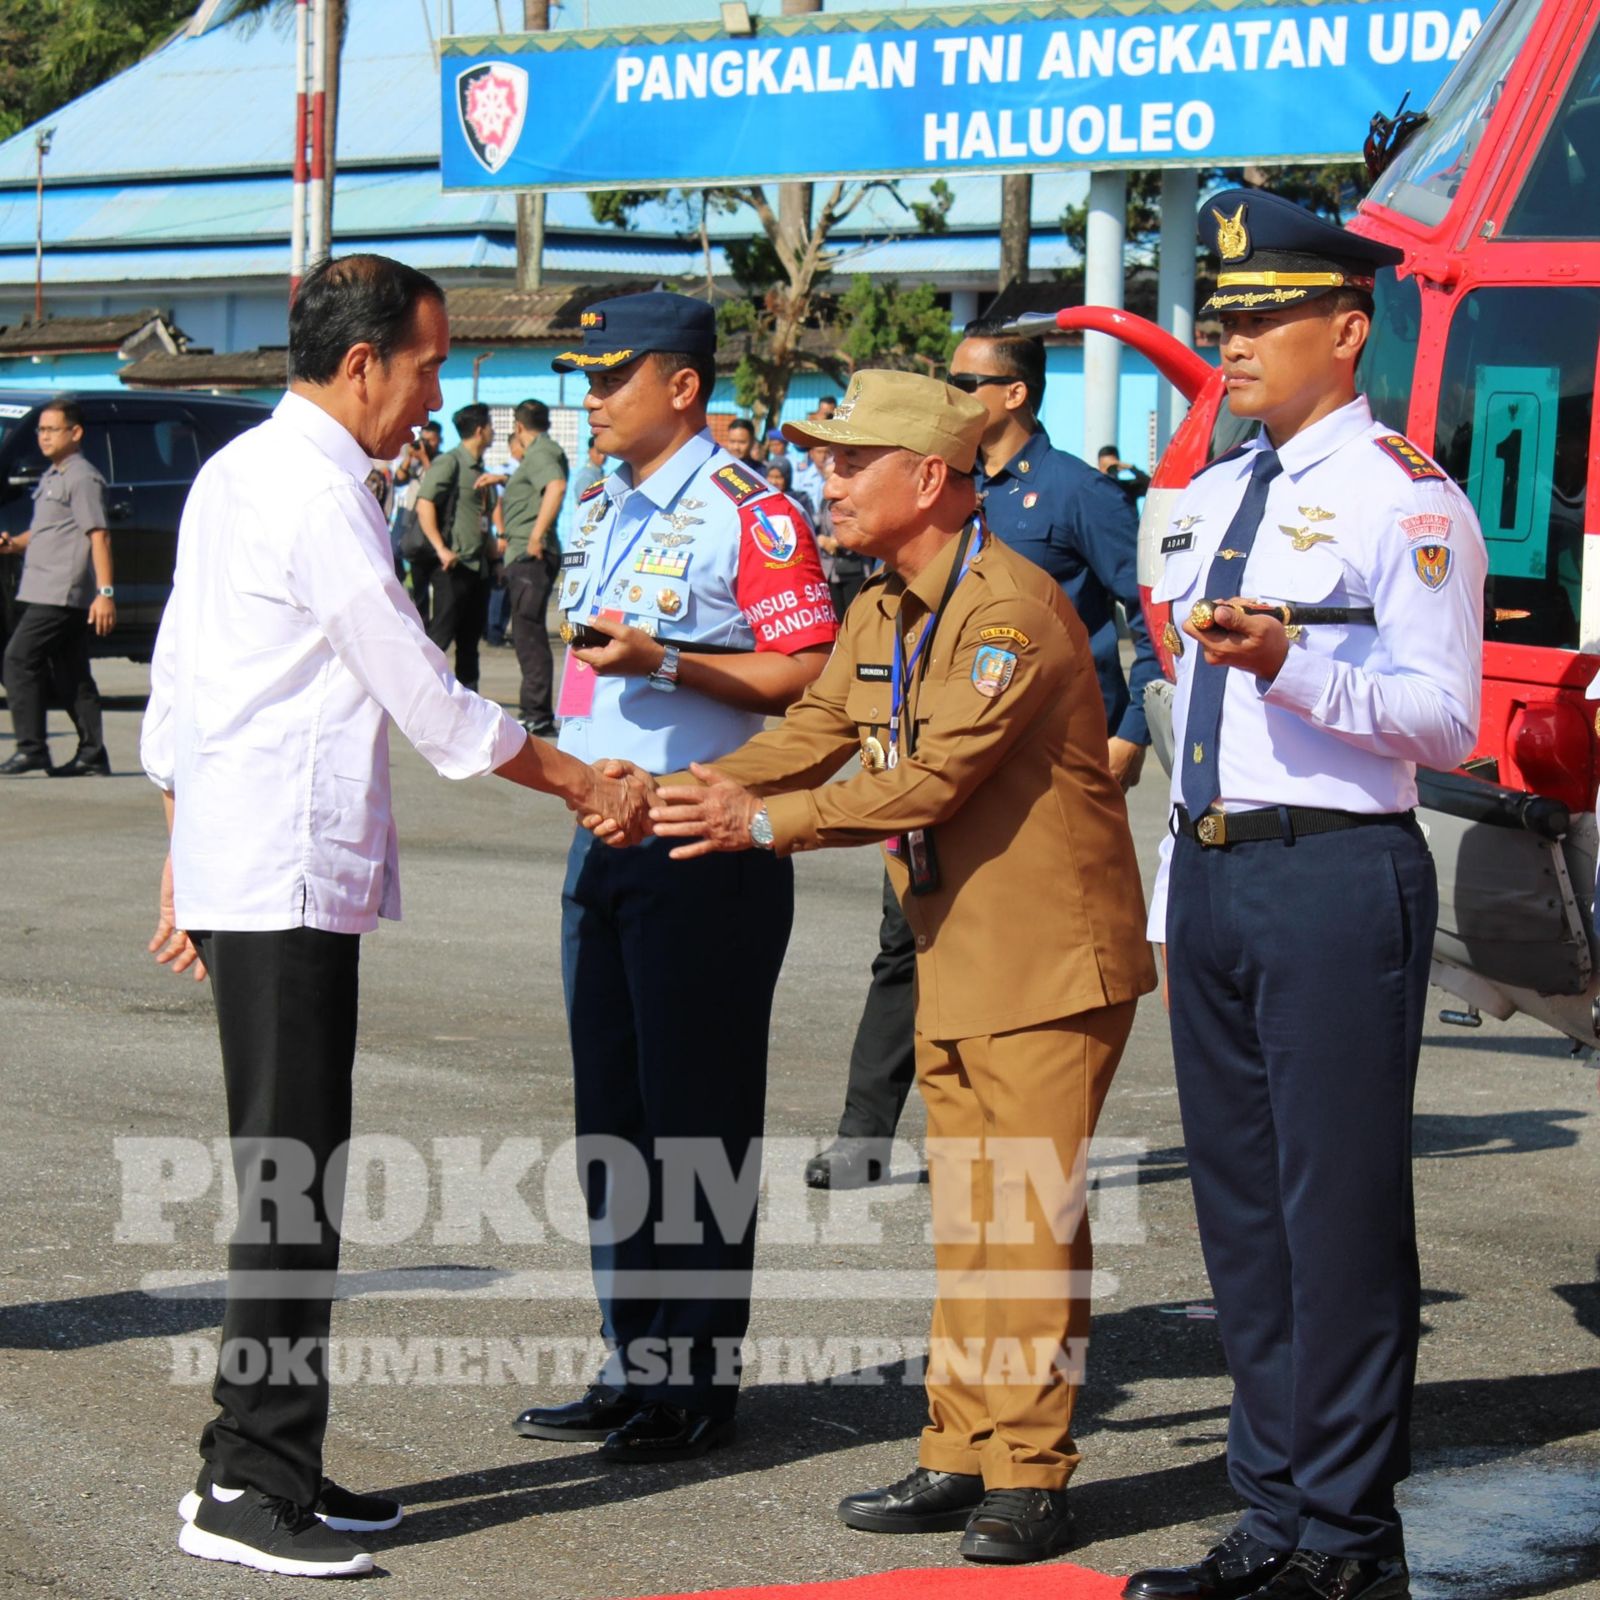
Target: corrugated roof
point(240, 369)
point(63, 335)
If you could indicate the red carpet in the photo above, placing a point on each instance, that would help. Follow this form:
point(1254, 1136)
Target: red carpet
point(1052, 1581)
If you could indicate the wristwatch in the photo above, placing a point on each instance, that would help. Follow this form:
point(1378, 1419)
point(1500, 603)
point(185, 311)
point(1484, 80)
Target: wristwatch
point(665, 677)
point(107, 592)
point(761, 830)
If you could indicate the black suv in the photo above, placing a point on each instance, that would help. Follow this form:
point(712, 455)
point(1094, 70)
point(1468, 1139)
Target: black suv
point(148, 447)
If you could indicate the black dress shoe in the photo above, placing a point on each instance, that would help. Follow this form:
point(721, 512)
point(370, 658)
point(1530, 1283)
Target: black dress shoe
point(1310, 1575)
point(16, 765)
point(659, 1431)
point(77, 767)
point(924, 1502)
point(1238, 1566)
point(1014, 1525)
point(587, 1421)
point(849, 1164)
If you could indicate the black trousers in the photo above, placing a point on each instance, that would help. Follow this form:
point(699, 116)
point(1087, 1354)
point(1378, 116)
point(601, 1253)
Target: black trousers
point(286, 1014)
point(460, 614)
point(528, 584)
point(423, 568)
point(1298, 976)
point(669, 968)
point(50, 649)
point(883, 1058)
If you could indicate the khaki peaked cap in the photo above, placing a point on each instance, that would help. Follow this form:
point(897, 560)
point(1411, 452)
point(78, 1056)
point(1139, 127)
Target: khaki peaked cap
point(903, 410)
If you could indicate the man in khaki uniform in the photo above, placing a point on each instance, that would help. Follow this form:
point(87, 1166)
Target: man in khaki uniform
point(964, 681)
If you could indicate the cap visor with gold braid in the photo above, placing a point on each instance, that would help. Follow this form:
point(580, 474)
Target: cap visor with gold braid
point(1275, 253)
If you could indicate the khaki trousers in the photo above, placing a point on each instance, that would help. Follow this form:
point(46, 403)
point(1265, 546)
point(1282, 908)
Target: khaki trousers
point(1009, 1121)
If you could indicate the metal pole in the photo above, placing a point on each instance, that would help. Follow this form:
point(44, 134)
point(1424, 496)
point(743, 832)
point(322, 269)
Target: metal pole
point(1102, 286)
point(41, 145)
point(319, 133)
point(297, 222)
point(1175, 283)
point(477, 361)
point(530, 207)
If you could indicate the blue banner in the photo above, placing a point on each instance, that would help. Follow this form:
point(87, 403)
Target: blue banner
point(982, 89)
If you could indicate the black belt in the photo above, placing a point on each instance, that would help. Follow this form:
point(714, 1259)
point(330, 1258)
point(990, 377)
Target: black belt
point(1220, 828)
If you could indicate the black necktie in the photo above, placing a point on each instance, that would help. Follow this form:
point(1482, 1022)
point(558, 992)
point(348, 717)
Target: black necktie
point(1201, 784)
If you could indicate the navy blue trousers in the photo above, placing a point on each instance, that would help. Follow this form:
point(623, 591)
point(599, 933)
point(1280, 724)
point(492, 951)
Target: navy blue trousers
point(669, 969)
point(1298, 979)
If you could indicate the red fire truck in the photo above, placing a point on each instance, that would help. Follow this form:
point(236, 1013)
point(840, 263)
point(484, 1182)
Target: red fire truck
point(1485, 352)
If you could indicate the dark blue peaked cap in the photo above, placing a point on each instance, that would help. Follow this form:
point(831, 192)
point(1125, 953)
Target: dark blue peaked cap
point(615, 331)
point(1276, 253)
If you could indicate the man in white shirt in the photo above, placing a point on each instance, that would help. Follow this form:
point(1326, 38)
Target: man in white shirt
point(285, 651)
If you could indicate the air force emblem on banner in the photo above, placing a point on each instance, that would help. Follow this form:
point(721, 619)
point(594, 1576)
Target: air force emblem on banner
point(492, 98)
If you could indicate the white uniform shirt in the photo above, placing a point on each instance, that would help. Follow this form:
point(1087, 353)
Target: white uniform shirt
point(1357, 517)
point(285, 649)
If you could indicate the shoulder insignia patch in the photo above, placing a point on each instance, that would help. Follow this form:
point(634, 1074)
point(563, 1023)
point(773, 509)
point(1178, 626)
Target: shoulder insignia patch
point(1015, 635)
point(597, 487)
point(739, 483)
point(1432, 563)
point(1408, 458)
point(992, 671)
point(1430, 525)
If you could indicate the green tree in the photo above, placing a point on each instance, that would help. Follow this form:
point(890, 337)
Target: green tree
point(52, 51)
point(887, 326)
point(782, 277)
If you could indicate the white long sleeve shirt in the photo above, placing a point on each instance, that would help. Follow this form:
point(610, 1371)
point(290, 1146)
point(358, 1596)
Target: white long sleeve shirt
point(1358, 517)
point(285, 649)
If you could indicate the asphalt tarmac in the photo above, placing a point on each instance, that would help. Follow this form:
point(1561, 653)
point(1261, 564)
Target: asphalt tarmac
point(468, 1300)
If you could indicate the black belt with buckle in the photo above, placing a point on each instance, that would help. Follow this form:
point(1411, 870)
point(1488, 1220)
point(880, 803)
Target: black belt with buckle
point(1217, 829)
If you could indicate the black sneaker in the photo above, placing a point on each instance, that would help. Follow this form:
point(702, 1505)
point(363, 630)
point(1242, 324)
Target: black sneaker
point(339, 1507)
point(259, 1530)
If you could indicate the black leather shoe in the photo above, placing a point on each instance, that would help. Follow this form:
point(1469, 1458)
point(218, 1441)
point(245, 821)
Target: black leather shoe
point(1015, 1525)
point(16, 765)
point(658, 1431)
point(587, 1421)
point(77, 767)
point(1238, 1566)
point(924, 1502)
point(1310, 1575)
point(849, 1164)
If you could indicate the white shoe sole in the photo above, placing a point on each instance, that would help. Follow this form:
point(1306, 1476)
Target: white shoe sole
point(211, 1547)
point(189, 1506)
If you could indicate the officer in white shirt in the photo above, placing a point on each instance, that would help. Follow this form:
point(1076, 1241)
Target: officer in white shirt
point(284, 653)
point(1296, 897)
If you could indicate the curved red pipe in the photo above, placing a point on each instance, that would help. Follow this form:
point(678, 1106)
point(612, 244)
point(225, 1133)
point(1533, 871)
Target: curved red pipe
point(1176, 362)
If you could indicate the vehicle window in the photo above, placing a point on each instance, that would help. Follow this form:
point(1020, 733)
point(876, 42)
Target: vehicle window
point(1390, 357)
point(1423, 179)
point(19, 445)
point(1515, 406)
point(1557, 199)
point(96, 449)
point(163, 450)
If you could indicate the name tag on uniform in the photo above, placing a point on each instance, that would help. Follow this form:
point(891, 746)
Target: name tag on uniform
point(873, 671)
point(1175, 542)
point(574, 558)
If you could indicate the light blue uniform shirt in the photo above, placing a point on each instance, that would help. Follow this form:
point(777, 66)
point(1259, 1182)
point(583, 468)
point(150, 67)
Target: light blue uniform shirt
point(703, 551)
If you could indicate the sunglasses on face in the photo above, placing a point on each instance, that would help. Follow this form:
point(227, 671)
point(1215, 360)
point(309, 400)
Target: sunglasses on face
point(972, 382)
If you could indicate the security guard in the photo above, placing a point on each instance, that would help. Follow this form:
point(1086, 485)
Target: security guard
point(964, 681)
point(696, 606)
point(1077, 524)
point(1296, 897)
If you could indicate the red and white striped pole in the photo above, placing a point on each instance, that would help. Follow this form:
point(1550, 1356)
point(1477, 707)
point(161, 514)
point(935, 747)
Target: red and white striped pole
point(297, 221)
point(319, 134)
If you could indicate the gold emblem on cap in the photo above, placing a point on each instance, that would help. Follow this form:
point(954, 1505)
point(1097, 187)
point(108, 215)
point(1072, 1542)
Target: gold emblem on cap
point(1233, 238)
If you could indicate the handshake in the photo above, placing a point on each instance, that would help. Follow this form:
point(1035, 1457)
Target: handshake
point(626, 804)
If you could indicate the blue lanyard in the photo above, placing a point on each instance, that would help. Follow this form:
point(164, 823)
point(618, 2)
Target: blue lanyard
point(597, 597)
point(901, 670)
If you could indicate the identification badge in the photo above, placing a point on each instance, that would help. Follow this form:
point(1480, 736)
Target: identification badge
point(578, 680)
point(574, 558)
point(916, 850)
point(873, 671)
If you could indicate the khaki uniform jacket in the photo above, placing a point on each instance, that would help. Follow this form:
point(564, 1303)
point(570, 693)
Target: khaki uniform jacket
point(1038, 913)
